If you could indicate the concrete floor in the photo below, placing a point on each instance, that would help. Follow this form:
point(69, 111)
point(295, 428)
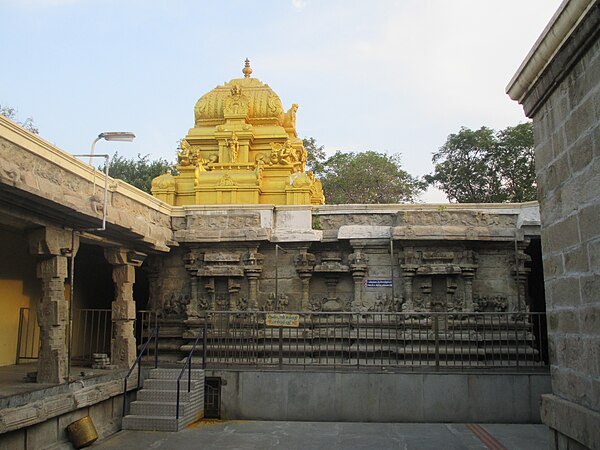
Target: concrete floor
point(328, 435)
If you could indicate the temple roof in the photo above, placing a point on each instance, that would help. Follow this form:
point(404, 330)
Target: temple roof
point(264, 105)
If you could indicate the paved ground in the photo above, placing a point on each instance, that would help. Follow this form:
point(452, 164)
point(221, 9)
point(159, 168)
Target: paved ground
point(223, 435)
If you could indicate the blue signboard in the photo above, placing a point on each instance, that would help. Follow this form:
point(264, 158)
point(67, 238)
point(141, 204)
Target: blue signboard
point(378, 283)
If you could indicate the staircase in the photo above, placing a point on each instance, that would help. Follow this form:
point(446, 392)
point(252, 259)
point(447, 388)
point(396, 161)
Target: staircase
point(155, 407)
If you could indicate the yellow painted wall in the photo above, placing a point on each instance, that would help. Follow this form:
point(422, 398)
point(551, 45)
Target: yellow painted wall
point(19, 287)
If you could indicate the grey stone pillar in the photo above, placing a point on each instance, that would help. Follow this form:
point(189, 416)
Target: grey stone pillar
point(51, 244)
point(123, 344)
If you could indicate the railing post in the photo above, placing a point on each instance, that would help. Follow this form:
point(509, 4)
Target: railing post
point(280, 348)
point(124, 397)
point(156, 347)
point(177, 405)
point(204, 341)
point(436, 332)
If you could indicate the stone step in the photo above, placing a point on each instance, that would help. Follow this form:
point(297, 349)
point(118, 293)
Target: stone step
point(151, 423)
point(157, 395)
point(172, 374)
point(171, 385)
point(164, 409)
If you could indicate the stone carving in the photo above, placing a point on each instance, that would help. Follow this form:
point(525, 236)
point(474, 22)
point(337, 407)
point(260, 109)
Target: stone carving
point(234, 147)
point(282, 153)
point(288, 120)
point(242, 304)
point(249, 220)
point(11, 171)
point(464, 218)
point(175, 305)
point(226, 180)
point(236, 103)
point(385, 303)
point(332, 222)
point(495, 303)
point(276, 304)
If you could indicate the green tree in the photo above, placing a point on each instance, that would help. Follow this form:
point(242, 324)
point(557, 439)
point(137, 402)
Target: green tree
point(315, 155)
point(138, 172)
point(367, 177)
point(485, 166)
point(12, 114)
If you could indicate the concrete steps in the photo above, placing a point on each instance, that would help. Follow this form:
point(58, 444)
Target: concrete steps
point(155, 407)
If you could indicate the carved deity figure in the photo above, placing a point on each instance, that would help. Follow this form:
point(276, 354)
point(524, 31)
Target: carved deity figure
point(183, 155)
point(234, 147)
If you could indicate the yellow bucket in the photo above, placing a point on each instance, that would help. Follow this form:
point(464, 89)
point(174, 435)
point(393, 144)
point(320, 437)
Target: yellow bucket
point(82, 432)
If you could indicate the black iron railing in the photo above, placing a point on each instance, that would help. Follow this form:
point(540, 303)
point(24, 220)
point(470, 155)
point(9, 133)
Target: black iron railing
point(188, 365)
point(137, 363)
point(437, 340)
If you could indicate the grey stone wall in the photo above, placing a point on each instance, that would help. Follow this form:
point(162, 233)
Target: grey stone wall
point(381, 397)
point(567, 136)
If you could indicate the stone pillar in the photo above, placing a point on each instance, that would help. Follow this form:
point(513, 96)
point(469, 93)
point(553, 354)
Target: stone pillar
point(123, 344)
point(52, 244)
point(358, 268)
point(305, 301)
point(252, 276)
point(53, 318)
point(305, 263)
point(408, 274)
point(468, 279)
point(253, 266)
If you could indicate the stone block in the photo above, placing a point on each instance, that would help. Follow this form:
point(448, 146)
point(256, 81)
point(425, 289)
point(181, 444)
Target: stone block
point(576, 260)
point(15, 440)
point(564, 321)
point(594, 254)
point(575, 421)
point(590, 320)
point(561, 235)
point(589, 221)
point(102, 417)
point(43, 434)
point(558, 171)
point(570, 385)
point(443, 397)
point(553, 266)
point(590, 287)
point(562, 292)
point(581, 153)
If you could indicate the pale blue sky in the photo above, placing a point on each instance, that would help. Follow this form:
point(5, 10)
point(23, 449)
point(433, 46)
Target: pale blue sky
point(390, 76)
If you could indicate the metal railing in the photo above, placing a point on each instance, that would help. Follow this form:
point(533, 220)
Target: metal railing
point(436, 340)
point(28, 338)
point(92, 332)
point(137, 362)
point(188, 365)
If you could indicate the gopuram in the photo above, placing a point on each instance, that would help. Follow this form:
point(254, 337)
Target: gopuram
point(254, 233)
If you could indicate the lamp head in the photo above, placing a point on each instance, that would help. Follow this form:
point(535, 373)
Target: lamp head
point(124, 136)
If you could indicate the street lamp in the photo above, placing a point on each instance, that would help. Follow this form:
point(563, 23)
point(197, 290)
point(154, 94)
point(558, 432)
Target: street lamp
point(122, 136)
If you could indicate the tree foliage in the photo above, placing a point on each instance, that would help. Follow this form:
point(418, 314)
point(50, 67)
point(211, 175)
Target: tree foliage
point(138, 172)
point(485, 166)
point(364, 177)
point(12, 114)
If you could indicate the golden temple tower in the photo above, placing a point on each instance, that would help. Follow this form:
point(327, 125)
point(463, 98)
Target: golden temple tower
point(243, 149)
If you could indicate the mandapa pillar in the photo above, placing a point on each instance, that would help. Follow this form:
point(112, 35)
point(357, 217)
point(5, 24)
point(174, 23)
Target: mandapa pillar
point(123, 344)
point(51, 245)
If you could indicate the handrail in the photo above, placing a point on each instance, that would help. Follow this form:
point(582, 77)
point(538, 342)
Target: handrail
point(153, 334)
point(188, 364)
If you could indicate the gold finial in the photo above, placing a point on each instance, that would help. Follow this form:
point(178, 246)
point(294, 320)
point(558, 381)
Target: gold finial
point(247, 70)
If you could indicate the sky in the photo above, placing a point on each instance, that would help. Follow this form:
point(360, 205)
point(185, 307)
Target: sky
point(392, 76)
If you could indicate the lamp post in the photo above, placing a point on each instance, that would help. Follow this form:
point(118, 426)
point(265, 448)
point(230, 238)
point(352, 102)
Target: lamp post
point(123, 136)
